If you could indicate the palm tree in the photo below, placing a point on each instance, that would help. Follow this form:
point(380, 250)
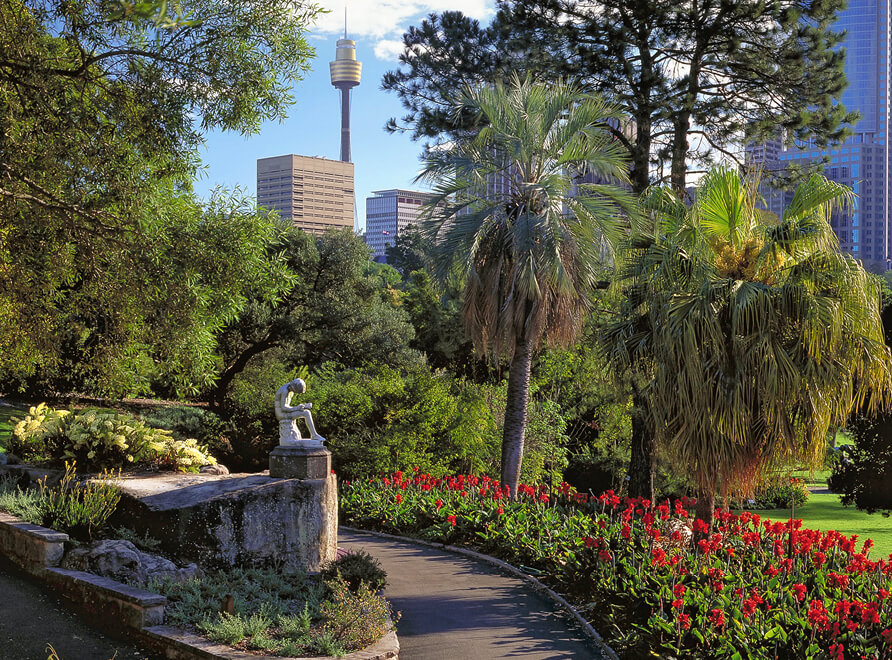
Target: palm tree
point(514, 222)
point(758, 333)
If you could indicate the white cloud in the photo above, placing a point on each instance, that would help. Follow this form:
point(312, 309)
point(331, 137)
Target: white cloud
point(385, 21)
point(388, 49)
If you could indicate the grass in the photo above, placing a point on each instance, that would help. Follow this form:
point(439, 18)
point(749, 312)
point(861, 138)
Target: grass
point(824, 511)
point(6, 425)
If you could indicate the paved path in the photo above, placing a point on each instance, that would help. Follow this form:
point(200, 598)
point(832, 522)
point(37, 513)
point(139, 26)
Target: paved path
point(458, 608)
point(31, 618)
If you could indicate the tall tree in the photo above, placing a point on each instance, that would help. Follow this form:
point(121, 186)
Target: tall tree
point(692, 78)
point(760, 335)
point(102, 107)
point(326, 309)
point(503, 222)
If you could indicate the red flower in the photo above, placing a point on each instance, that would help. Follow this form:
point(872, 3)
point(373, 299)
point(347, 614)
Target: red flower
point(684, 620)
point(399, 498)
point(677, 604)
point(589, 541)
point(678, 590)
point(799, 590)
point(500, 511)
point(451, 520)
point(887, 636)
point(439, 503)
point(717, 618)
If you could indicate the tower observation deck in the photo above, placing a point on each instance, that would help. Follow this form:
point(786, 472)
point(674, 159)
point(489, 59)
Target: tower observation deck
point(345, 75)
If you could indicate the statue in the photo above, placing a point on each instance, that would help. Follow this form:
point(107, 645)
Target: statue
point(289, 434)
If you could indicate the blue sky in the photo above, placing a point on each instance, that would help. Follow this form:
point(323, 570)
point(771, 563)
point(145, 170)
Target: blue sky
point(381, 160)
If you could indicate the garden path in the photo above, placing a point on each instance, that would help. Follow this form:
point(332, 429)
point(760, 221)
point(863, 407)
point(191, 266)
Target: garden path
point(458, 607)
point(31, 618)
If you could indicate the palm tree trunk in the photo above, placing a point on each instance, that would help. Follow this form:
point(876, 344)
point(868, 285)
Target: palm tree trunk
point(642, 460)
point(517, 400)
point(706, 506)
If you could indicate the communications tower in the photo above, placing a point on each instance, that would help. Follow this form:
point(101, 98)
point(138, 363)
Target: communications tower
point(345, 74)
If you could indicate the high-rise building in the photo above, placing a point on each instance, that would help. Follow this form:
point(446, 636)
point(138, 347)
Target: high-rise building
point(389, 212)
point(862, 163)
point(314, 193)
point(345, 74)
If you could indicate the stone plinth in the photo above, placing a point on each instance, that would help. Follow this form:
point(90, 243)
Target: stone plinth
point(237, 519)
point(300, 462)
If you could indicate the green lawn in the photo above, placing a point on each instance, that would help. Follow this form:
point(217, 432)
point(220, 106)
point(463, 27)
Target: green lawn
point(7, 413)
point(823, 511)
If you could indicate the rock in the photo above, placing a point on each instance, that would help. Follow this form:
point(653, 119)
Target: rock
point(123, 561)
point(9, 459)
point(217, 469)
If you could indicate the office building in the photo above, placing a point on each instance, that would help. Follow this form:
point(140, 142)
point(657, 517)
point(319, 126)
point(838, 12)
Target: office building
point(314, 193)
point(389, 212)
point(862, 163)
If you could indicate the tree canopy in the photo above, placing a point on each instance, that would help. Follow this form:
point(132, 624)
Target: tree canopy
point(691, 78)
point(102, 106)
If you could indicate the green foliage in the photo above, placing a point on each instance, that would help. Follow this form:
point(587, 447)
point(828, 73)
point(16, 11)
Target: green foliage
point(80, 508)
point(25, 504)
point(379, 418)
point(861, 471)
point(145, 542)
point(333, 307)
point(779, 493)
point(750, 330)
point(101, 438)
point(357, 568)
point(284, 614)
point(113, 274)
point(355, 618)
point(252, 429)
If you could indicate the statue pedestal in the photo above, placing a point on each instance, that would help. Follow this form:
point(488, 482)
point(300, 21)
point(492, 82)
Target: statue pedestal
point(300, 462)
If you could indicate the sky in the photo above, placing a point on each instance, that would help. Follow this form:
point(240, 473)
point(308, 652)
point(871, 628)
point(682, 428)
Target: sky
point(381, 160)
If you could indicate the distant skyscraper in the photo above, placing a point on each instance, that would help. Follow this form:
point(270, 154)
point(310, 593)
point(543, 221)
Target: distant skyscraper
point(387, 214)
point(314, 193)
point(345, 74)
point(863, 161)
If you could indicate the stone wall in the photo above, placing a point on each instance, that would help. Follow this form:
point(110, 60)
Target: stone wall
point(236, 520)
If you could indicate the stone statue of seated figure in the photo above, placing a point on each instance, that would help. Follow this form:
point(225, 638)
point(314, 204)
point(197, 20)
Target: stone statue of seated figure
point(288, 415)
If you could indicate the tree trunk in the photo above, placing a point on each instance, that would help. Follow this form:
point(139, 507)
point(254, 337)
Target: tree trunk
point(218, 393)
point(642, 461)
point(517, 399)
point(706, 506)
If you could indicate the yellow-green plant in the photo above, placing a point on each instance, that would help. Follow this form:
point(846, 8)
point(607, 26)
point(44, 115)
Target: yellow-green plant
point(103, 439)
point(30, 435)
point(80, 507)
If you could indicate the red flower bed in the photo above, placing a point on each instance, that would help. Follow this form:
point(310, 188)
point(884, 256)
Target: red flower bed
point(652, 581)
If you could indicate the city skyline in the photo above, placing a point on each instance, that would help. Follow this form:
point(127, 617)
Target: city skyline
point(314, 128)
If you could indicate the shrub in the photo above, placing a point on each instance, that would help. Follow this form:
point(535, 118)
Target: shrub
point(862, 472)
point(781, 494)
point(657, 584)
point(186, 422)
point(101, 439)
point(31, 435)
point(79, 508)
point(357, 568)
point(252, 428)
point(355, 618)
point(24, 504)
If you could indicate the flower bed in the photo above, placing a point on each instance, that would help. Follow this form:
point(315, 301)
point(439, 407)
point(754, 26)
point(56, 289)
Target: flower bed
point(650, 580)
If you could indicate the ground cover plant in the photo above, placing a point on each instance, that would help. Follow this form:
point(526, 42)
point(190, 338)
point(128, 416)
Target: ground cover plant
point(653, 580)
point(283, 614)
